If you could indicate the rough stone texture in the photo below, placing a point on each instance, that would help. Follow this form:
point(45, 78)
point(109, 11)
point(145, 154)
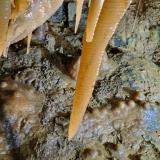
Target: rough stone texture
point(122, 121)
point(20, 109)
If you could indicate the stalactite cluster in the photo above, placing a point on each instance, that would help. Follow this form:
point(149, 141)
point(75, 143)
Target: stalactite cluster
point(19, 19)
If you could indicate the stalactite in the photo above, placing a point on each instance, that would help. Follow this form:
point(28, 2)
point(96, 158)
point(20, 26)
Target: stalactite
point(91, 57)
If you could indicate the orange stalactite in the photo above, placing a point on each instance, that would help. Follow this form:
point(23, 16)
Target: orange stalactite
point(91, 58)
point(93, 16)
point(104, 15)
point(5, 11)
point(79, 6)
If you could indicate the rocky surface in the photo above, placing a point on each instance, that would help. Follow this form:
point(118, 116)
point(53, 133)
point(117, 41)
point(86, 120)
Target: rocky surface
point(122, 121)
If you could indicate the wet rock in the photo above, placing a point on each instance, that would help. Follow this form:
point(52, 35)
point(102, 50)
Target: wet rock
point(156, 57)
point(93, 151)
point(59, 16)
point(122, 129)
point(71, 12)
point(57, 148)
point(50, 43)
point(20, 109)
point(39, 35)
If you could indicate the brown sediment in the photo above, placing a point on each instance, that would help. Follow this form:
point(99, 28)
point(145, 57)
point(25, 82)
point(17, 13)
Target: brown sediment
point(73, 68)
point(18, 97)
point(20, 109)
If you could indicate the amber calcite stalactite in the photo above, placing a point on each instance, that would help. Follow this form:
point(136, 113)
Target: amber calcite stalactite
point(79, 6)
point(5, 12)
point(92, 52)
point(94, 12)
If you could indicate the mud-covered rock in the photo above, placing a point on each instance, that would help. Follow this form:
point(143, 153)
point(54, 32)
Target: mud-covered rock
point(20, 109)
